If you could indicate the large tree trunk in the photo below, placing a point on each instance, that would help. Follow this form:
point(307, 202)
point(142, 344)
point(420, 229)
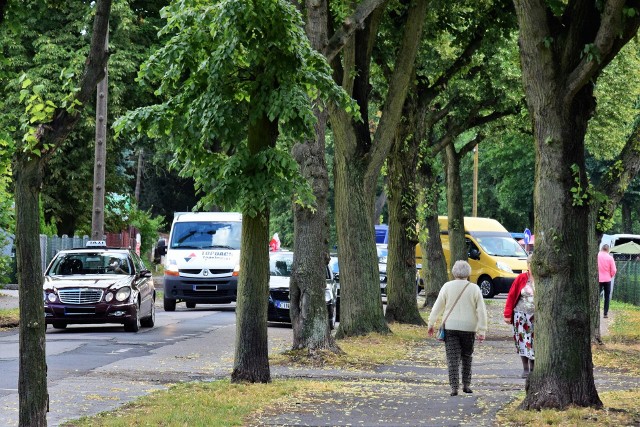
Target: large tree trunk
point(403, 236)
point(307, 285)
point(251, 362)
point(564, 369)
point(457, 242)
point(32, 377)
point(360, 302)
point(308, 281)
point(558, 75)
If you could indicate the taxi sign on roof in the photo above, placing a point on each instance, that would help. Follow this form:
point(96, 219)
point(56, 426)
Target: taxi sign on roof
point(96, 243)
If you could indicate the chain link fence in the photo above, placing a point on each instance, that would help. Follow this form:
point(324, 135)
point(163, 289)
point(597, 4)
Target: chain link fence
point(626, 284)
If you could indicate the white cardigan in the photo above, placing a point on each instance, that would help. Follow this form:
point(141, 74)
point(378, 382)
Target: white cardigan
point(469, 314)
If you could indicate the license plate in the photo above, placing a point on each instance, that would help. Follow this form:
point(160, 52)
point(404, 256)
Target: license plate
point(282, 304)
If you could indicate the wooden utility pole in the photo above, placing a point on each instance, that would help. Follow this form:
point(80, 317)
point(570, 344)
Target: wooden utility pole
point(97, 217)
point(475, 182)
point(139, 175)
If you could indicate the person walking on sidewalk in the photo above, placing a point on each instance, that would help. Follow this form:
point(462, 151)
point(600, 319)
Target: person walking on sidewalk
point(606, 272)
point(519, 311)
point(466, 316)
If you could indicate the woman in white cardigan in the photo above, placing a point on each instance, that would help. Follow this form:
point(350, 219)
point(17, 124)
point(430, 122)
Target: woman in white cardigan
point(465, 319)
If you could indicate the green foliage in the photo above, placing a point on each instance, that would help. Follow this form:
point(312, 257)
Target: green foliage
point(224, 66)
point(122, 212)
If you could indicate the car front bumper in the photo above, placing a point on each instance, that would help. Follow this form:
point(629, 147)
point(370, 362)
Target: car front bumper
point(89, 313)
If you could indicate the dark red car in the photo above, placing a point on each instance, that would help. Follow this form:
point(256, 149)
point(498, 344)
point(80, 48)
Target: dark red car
point(99, 285)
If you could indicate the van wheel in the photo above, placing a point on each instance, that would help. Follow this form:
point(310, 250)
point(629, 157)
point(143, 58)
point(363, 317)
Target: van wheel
point(169, 304)
point(59, 325)
point(190, 304)
point(486, 287)
point(332, 316)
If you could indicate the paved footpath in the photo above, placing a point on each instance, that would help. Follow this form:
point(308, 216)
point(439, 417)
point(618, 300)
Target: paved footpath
point(411, 392)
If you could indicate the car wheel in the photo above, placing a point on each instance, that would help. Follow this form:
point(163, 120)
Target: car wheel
point(191, 304)
point(332, 316)
point(133, 325)
point(148, 322)
point(486, 287)
point(338, 310)
point(59, 325)
point(169, 304)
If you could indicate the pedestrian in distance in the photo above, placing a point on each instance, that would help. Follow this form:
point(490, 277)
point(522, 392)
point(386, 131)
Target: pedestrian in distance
point(465, 318)
point(606, 272)
point(519, 311)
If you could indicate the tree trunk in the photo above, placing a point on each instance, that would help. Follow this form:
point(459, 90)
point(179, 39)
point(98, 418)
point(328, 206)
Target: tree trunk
point(457, 242)
point(627, 222)
point(360, 301)
point(434, 266)
point(594, 288)
point(32, 382)
point(403, 237)
point(309, 316)
point(251, 362)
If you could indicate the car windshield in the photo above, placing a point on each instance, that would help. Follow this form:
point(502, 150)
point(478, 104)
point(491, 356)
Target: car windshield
point(206, 235)
point(280, 264)
point(90, 263)
point(501, 246)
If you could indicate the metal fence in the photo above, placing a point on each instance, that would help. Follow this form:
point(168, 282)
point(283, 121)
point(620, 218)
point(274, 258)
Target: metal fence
point(51, 245)
point(626, 285)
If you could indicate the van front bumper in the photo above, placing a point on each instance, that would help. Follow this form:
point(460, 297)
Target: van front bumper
point(201, 290)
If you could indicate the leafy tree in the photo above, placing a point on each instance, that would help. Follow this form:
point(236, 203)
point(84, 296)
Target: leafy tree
point(563, 49)
point(236, 80)
point(50, 114)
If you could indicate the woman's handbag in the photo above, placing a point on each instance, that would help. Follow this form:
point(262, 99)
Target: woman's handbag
point(440, 335)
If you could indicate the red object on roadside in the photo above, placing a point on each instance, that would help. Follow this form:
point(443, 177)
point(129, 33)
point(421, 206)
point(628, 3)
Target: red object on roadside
point(274, 244)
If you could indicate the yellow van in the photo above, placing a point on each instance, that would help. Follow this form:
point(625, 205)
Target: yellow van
point(495, 257)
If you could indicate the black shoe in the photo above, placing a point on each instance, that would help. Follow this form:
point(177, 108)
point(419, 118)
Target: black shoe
point(454, 393)
point(606, 317)
point(467, 390)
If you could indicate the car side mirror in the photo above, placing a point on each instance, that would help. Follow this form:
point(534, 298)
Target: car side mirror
point(474, 254)
point(159, 251)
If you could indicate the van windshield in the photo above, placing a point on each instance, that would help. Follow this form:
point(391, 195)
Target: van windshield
point(501, 246)
point(206, 235)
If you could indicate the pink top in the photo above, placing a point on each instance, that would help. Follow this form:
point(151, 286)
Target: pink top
point(606, 267)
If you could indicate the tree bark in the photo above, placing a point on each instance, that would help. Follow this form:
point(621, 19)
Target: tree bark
point(307, 286)
point(251, 362)
point(434, 266)
point(457, 242)
point(560, 61)
point(358, 161)
point(403, 235)
point(28, 173)
point(32, 376)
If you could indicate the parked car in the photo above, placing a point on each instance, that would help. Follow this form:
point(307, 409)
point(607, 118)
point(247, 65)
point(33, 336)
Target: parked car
point(98, 284)
point(382, 266)
point(280, 264)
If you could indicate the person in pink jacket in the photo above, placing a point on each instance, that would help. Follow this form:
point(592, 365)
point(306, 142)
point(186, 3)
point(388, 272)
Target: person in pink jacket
point(606, 272)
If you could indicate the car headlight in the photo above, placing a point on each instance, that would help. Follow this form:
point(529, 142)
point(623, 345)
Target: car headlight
point(123, 293)
point(108, 297)
point(51, 296)
point(504, 267)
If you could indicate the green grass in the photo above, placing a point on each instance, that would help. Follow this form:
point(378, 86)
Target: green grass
point(9, 318)
point(213, 404)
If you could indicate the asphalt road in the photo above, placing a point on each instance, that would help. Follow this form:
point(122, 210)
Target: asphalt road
point(94, 368)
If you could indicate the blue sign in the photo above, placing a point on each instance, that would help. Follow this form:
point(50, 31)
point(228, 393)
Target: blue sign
point(527, 236)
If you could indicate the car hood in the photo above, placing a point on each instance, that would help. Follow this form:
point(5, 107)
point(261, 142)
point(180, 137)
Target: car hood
point(276, 282)
point(102, 282)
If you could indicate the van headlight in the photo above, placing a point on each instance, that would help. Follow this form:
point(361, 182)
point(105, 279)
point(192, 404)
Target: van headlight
point(504, 267)
point(123, 293)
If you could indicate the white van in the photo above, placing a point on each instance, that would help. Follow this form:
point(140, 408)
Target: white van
point(618, 239)
point(202, 259)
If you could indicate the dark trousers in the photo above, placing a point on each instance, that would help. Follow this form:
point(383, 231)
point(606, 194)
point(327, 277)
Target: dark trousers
point(606, 287)
point(459, 347)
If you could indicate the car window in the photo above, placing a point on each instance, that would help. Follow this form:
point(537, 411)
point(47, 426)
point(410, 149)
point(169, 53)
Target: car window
point(280, 265)
point(69, 264)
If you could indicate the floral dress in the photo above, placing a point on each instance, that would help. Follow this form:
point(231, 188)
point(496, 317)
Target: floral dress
point(523, 321)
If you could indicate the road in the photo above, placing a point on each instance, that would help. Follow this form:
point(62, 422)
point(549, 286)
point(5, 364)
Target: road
point(94, 368)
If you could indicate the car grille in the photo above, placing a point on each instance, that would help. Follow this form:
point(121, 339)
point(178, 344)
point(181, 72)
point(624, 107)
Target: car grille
point(80, 296)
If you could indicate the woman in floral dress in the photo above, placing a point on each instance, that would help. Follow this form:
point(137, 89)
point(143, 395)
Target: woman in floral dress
point(519, 311)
